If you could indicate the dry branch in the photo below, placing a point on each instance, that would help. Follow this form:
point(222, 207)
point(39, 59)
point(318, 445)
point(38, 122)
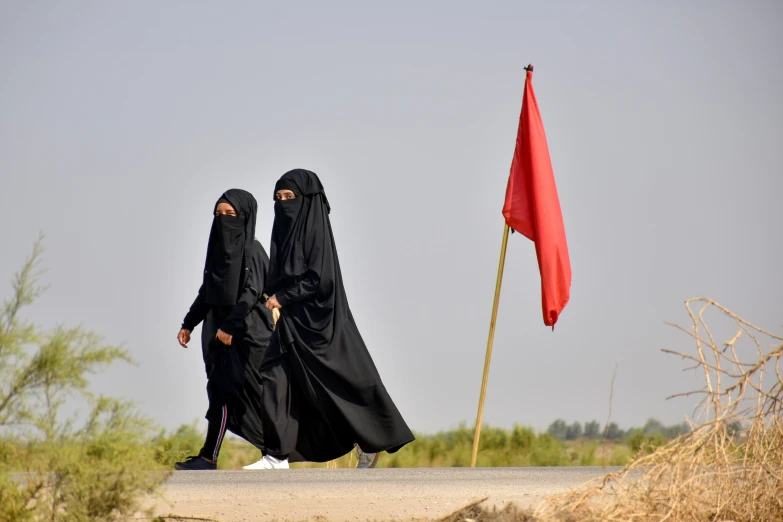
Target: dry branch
point(714, 473)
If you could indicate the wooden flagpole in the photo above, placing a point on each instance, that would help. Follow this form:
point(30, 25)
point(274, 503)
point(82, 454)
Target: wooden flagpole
point(491, 339)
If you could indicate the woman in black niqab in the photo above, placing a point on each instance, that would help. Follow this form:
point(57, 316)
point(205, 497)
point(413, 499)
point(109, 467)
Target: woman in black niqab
point(322, 393)
point(236, 329)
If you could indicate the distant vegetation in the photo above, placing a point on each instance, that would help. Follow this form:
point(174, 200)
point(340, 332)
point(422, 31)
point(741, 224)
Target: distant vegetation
point(561, 430)
point(561, 445)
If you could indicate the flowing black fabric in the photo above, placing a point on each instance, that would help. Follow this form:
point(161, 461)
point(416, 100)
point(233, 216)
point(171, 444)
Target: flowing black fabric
point(322, 391)
point(233, 372)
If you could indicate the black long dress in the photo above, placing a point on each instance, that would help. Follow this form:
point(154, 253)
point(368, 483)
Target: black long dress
point(322, 392)
point(230, 299)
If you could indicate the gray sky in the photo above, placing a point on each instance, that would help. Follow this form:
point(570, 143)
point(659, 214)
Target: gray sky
point(122, 122)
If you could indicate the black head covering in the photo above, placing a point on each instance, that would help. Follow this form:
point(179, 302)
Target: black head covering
point(228, 252)
point(287, 184)
point(299, 223)
point(302, 183)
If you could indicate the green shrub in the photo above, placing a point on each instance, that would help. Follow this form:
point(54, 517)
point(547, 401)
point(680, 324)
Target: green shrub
point(93, 467)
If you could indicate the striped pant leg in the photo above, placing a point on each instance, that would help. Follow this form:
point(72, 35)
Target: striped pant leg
point(216, 430)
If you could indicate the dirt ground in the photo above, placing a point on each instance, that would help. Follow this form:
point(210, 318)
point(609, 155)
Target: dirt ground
point(351, 494)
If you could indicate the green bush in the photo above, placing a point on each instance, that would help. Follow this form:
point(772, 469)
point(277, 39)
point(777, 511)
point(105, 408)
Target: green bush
point(92, 467)
point(520, 446)
point(175, 447)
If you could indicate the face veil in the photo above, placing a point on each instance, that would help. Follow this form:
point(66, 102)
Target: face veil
point(300, 226)
point(226, 266)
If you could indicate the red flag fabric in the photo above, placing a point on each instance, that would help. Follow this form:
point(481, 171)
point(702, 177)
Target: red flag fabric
point(532, 207)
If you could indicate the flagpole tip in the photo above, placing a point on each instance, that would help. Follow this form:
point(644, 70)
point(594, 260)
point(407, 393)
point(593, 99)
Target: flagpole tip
point(529, 67)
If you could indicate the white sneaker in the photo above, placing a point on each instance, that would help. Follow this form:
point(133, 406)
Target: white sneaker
point(366, 460)
point(268, 462)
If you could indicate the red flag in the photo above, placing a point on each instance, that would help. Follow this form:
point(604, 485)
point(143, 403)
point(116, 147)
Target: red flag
point(532, 207)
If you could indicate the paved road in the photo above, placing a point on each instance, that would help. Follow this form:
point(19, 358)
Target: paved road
point(351, 494)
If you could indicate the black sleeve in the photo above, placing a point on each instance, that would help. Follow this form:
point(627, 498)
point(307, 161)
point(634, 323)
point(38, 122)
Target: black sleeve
point(303, 290)
point(251, 293)
point(197, 313)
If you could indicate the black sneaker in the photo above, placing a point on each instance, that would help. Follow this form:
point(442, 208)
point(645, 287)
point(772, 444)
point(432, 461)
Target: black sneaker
point(195, 464)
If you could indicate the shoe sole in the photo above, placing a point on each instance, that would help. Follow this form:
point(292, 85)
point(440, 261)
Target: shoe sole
point(183, 468)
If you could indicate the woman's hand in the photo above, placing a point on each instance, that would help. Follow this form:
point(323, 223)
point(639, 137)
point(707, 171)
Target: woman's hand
point(272, 303)
point(183, 337)
point(224, 338)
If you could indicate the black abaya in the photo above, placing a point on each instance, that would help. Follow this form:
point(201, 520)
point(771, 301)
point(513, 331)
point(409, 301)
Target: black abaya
point(230, 299)
point(322, 393)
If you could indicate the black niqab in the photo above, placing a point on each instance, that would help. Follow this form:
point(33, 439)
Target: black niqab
point(226, 266)
point(291, 245)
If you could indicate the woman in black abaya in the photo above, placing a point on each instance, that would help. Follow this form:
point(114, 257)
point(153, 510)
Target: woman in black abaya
point(236, 329)
point(322, 393)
